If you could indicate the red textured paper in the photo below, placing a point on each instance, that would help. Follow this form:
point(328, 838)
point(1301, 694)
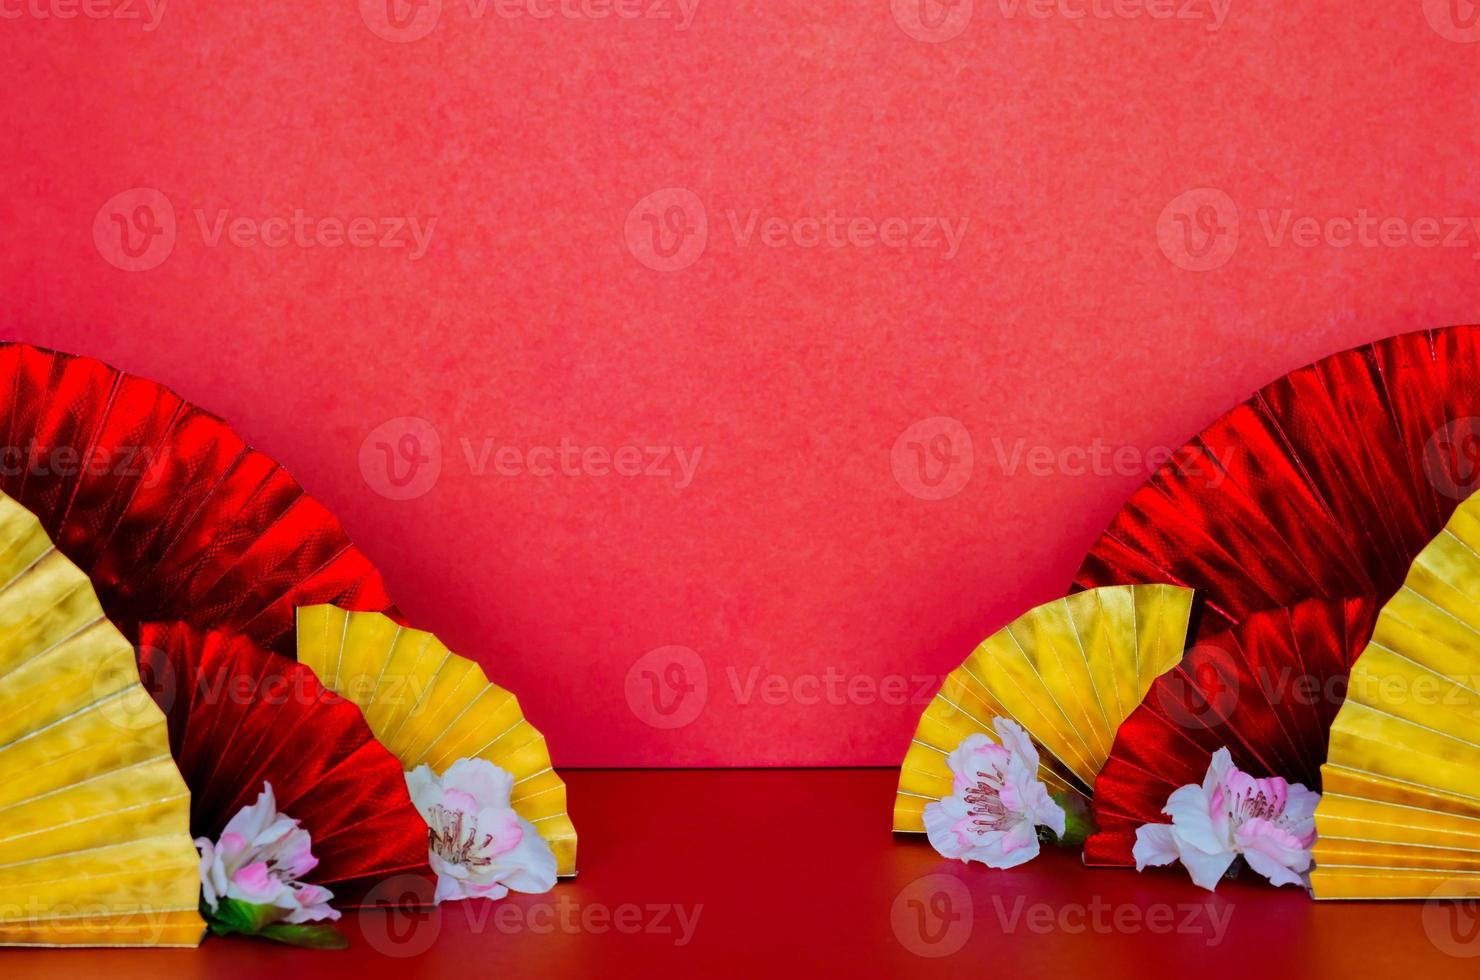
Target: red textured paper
point(795, 552)
point(239, 716)
point(1267, 690)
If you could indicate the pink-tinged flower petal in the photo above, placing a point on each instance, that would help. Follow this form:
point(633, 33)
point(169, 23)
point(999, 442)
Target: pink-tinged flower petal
point(293, 855)
point(425, 788)
point(253, 883)
point(1006, 850)
point(1021, 835)
point(1030, 798)
point(1155, 846)
point(449, 889)
point(504, 830)
point(1219, 766)
point(1272, 869)
point(942, 817)
point(1016, 742)
point(447, 869)
point(1192, 813)
point(251, 821)
point(491, 891)
point(1206, 869)
point(1267, 838)
point(456, 799)
point(480, 779)
point(210, 872)
point(313, 905)
point(527, 867)
point(1300, 811)
point(976, 757)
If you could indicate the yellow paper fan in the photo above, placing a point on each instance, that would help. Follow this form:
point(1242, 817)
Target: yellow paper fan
point(1069, 672)
point(95, 845)
point(428, 705)
point(1400, 810)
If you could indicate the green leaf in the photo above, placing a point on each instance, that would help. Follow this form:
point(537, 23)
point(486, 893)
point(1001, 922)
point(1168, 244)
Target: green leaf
point(309, 935)
point(233, 917)
point(1079, 820)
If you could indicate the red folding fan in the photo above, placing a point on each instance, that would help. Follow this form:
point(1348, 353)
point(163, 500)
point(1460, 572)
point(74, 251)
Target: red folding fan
point(1268, 690)
point(168, 511)
point(1326, 483)
point(239, 715)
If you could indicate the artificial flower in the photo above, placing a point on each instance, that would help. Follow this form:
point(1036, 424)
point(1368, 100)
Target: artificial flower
point(479, 847)
point(1268, 822)
point(997, 802)
point(250, 878)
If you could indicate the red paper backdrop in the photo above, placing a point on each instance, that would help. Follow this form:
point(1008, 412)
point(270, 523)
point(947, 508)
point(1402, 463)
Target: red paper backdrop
point(1126, 273)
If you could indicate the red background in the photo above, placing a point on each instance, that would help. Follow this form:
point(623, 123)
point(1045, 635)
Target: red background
point(1068, 319)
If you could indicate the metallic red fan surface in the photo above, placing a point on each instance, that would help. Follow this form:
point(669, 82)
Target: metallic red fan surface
point(239, 715)
point(1268, 690)
point(1326, 483)
point(168, 511)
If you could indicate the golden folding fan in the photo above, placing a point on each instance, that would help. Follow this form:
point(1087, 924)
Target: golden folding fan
point(428, 705)
point(1069, 672)
point(95, 845)
point(1400, 813)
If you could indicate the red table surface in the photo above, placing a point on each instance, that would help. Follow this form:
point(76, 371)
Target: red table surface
point(795, 873)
